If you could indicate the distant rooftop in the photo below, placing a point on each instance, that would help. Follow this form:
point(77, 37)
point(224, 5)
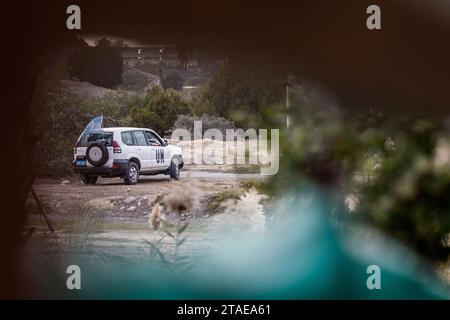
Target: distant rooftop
point(92, 39)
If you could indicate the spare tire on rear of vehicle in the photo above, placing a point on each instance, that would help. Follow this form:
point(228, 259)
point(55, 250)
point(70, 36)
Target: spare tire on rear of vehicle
point(97, 154)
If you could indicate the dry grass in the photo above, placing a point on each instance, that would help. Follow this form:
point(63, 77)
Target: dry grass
point(156, 217)
point(181, 198)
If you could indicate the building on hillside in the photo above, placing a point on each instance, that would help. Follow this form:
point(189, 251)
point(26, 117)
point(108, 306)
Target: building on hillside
point(155, 54)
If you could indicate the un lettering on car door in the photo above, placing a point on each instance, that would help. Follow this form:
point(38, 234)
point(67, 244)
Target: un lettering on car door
point(160, 155)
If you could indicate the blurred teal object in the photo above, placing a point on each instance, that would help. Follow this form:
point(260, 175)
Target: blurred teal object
point(300, 256)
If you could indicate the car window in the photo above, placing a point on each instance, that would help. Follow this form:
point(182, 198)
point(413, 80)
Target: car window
point(152, 139)
point(89, 138)
point(140, 138)
point(127, 138)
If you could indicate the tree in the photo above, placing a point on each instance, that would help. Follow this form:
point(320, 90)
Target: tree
point(101, 65)
point(243, 87)
point(183, 58)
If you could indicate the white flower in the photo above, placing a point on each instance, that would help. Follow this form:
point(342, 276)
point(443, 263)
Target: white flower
point(351, 201)
point(245, 214)
point(441, 158)
point(389, 144)
point(156, 217)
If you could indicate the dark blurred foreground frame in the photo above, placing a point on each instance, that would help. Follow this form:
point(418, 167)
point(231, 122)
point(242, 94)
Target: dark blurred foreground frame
point(403, 68)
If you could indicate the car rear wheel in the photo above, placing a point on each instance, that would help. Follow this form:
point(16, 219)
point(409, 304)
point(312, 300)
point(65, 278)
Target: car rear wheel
point(132, 174)
point(97, 154)
point(89, 180)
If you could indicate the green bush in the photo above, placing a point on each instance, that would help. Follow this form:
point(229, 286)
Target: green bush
point(397, 169)
point(159, 110)
point(410, 196)
point(199, 104)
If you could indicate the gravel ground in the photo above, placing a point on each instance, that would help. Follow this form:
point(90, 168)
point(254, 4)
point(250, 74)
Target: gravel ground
point(111, 219)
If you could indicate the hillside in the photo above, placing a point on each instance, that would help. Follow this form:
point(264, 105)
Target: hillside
point(86, 89)
point(138, 80)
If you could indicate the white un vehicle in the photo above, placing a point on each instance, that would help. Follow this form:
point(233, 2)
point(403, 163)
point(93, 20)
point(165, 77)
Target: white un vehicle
point(126, 153)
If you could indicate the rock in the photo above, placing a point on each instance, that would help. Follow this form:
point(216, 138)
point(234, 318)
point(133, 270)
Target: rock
point(129, 199)
point(139, 204)
point(65, 182)
point(122, 208)
point(132, 208)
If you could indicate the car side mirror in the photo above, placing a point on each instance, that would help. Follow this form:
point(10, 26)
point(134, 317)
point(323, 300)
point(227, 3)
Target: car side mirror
point(166, 142)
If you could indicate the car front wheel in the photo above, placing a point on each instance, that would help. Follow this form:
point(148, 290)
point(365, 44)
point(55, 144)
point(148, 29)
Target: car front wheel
point(132, 174)
point(174, 170)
